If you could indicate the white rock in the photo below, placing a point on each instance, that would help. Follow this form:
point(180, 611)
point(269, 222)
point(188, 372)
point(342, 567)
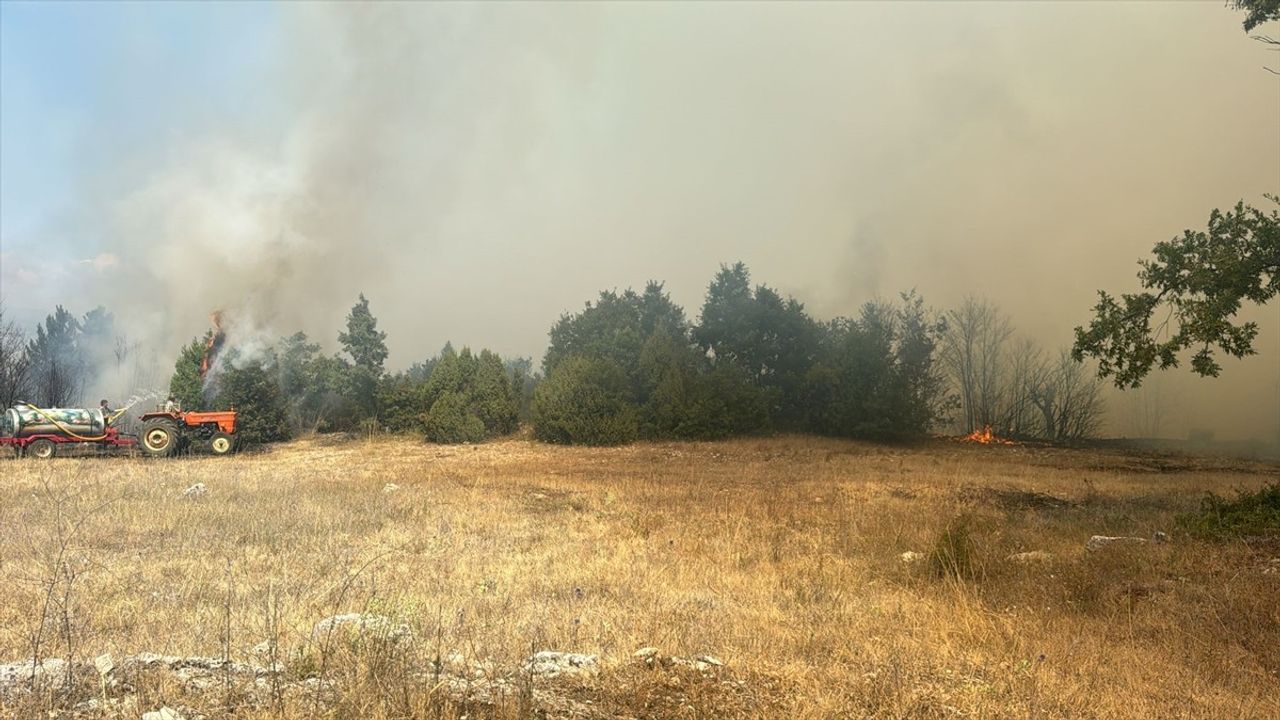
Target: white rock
point(390, 488)
point(362, 623)
point(1034, 556)
point(164, 713)
point(1098, 542)
point(911, 556)
point(17, 674)
point(646, 653)
point(195, 491)
point(550, 663)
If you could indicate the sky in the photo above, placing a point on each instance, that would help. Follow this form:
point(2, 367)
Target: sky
point(477, 170)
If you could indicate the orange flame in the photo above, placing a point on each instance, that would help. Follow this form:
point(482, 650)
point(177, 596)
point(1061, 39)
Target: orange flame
point(986, 437)
point(214, 344)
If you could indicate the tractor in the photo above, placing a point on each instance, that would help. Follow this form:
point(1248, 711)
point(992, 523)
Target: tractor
point(164, 433)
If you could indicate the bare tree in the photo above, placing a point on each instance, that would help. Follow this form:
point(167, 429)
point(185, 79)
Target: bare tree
point(14, 363)
point(1019, 416)
point(1069, 399)
point(973, 354)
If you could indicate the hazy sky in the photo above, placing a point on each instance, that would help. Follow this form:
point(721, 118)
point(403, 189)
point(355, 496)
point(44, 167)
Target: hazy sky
point(476, 170)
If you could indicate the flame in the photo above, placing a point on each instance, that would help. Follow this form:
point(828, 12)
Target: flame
point(212, 347)
point(986, 437)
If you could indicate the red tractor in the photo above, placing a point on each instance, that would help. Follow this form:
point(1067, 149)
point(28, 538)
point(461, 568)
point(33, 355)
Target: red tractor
point(164, 433)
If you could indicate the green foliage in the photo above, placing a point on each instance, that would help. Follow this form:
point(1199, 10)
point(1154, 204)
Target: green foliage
point(686, 398)
point(466, 398)
point(1249, 514)
point(1201, 279)
point(403, 403)
point(470, 398)
point(185, 384)
point(363, 341)
point(1258, 12)
point(296, 371)
point(584, 401)
point(771, 339)
point(615, 328)
point(451, 420)
point(253, 392)
point(756, 361)
point(332, 402)
point(55, 367)
point(876, 377)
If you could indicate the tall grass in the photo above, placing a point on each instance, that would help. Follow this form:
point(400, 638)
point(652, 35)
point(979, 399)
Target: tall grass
point(779, 556)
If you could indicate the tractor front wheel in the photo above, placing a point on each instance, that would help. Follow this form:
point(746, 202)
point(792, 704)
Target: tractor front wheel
point(159, 437)
point(222, 443)
point(42, 449)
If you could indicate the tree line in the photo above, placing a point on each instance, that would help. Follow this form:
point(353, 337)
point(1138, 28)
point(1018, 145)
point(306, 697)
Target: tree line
point(630, 365)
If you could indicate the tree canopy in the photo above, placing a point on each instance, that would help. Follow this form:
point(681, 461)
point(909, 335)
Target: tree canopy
point(363, 341)
point(1194, 286)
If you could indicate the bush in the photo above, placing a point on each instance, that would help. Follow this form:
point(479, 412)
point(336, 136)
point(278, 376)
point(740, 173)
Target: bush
point(451, 421)
point(261, 415)
point(584, 401)
point(1249, 514)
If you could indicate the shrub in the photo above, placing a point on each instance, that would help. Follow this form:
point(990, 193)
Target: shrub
point(584, 401)
point(261, 415)
point(1249, 514)
point(450, 420)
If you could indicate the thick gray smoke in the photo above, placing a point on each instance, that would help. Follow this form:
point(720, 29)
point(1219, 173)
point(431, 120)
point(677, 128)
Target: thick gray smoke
point(476, 170)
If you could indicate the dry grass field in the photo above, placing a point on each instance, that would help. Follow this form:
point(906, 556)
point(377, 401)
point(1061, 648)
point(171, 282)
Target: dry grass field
point(781, 557)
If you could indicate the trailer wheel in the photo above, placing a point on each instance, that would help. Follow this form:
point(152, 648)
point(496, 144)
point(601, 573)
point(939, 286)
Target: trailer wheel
point(222, 443)
point(159, 437)
point(42, 449)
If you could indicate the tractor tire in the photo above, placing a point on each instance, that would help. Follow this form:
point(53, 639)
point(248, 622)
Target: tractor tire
point(222, 443)
point(43, 449)
point(160, 437)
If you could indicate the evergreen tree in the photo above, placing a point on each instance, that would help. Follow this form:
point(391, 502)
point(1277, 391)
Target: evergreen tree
point(363, 341)
point(185, 384)
point(55, 367)
point(295, 370)
point(254, 392)
point(584, 401)
point(771, 339)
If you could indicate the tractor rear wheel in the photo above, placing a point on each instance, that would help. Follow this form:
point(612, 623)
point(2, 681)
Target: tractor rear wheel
point(222, 443)
point(42, 449)
point(159, 437)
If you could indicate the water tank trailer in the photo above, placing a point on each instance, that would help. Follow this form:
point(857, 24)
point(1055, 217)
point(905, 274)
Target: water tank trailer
point(39, 432)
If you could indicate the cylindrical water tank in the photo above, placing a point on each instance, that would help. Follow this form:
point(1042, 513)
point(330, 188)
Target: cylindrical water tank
point(23, 421)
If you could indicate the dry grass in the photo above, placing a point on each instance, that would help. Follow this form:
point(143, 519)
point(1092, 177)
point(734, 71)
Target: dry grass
point(779, 556)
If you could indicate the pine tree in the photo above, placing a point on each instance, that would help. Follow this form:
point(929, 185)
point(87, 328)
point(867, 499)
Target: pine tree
point(363, 341)
point(185, 384)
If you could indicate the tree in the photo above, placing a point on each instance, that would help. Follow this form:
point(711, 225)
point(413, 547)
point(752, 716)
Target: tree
point(1258, 12)
point(584, 401)
point(363, 341)
point(13, 363)
point(254, 392)
point(973, 353)
point(768, 337)
point(616, 327)
point(55, 367)
point(1197, 282)
point(296, 374)
point(1069, 400)
point(185, 383)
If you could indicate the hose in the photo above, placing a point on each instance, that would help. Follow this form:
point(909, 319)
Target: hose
point(68, 430)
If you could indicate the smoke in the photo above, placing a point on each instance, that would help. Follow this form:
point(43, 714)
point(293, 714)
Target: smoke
point(476, 170)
